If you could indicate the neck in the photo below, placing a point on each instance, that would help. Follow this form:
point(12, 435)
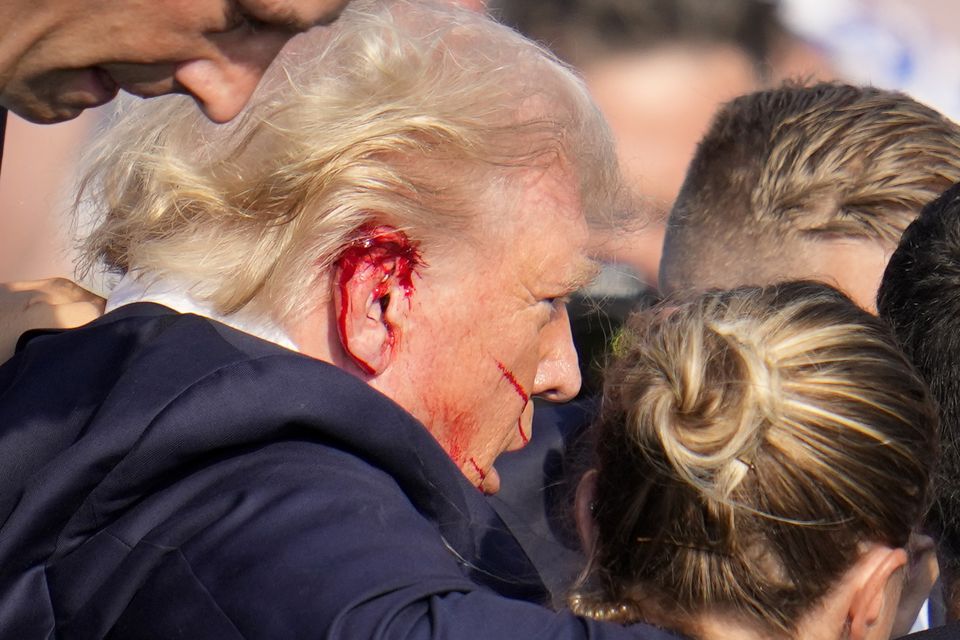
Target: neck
point(712, 624)
point(316, 336)
point(720, 627)
point(826, 621)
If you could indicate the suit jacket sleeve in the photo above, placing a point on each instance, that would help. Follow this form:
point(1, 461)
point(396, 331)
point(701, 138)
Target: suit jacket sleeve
point(302, 540)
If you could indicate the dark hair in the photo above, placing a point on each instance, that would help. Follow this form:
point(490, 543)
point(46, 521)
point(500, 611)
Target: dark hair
point(920, 299)
point(803, 162)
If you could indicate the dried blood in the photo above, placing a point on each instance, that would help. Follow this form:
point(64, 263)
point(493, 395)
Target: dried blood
point(453, 427)
point(377, 252)
point(523, 436)
point(512, 379)
point(476, 467)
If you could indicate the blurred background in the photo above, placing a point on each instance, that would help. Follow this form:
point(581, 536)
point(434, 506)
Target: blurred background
point(658, 70)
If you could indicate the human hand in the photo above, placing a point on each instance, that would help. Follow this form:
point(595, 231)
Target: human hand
point(55, 303)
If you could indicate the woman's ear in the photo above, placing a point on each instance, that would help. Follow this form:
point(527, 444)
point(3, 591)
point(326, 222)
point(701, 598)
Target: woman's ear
point(584, 499)
point(877, 582)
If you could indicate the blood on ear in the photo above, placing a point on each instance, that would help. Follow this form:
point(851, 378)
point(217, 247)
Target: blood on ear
point(380, 254)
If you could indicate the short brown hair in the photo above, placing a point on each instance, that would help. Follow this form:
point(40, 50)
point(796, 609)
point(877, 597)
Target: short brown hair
point(748, 442)
point(828, 160)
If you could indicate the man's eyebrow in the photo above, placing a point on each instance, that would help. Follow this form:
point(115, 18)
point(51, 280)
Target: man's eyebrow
point(585, 272)
point(282, 14)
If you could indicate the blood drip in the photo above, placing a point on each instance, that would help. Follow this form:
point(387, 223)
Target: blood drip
point(523, 436)
point(512, 379)
point(378, 251)
point(455, 451)
point(476, 467)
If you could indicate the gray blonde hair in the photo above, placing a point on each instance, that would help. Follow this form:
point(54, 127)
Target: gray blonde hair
point(407, 113)
point(749, 441)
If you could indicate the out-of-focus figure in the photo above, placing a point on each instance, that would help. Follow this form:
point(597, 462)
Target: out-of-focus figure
point(659, 69)
point(909, 46)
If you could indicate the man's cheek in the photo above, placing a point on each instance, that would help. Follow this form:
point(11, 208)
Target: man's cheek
point(458, 432)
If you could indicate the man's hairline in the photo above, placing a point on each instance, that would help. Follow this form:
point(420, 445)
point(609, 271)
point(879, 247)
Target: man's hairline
point(792, 266)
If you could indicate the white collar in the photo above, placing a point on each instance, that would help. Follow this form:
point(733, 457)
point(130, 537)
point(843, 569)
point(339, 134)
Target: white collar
point(174, 293)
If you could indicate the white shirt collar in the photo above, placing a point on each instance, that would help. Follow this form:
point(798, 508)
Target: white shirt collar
point(174, 293)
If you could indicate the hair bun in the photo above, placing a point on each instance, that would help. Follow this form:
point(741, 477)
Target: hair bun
point(729, 434)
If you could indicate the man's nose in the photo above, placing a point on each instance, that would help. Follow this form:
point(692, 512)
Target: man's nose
point(558, 374)
point(223, 82)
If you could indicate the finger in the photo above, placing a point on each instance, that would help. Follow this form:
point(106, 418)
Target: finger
point(53, 290)
point(29, 285)
point(51, 316)
point(75, 314)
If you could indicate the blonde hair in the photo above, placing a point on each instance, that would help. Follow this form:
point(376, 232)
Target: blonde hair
point(749, 441)
point(408, 113)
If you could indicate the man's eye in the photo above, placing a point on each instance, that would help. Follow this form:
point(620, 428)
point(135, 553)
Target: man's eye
point(557, 303)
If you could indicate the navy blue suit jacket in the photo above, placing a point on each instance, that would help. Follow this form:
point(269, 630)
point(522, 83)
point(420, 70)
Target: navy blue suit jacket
point(162, 475)
point(950, 631)
point(535, 500)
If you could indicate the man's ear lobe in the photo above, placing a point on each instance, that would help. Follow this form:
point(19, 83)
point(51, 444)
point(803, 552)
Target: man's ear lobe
point(875, 594)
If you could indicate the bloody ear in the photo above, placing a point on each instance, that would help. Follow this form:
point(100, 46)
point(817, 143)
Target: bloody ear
point(374, 282)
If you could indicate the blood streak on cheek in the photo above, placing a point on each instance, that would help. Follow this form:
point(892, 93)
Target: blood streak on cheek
point(523, 436)
point(377, 252)
point(512, 379)
point(480, 472)
point(508, 375)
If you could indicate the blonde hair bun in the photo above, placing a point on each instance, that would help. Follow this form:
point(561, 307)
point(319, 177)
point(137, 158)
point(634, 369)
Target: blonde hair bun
point(748, 441)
